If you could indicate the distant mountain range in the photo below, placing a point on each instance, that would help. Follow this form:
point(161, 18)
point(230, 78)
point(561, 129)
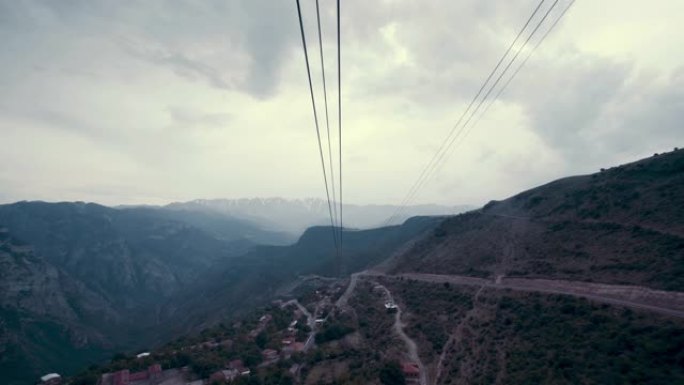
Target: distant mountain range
point(296, 215)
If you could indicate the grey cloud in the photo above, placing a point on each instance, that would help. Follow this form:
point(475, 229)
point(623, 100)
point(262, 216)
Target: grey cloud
point(117, 74)
point(184, 118)
point(184, 66)
point(452, 45)
point(238, 45)
point(590, 107)
point(67, 122)
point(648, 114)
point(564, 100)
point(270, 37)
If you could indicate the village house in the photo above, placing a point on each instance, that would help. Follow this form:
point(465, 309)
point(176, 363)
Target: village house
point(224, 375)
point(411, 370)
point(270, 354)
point(240, 367)
point(293, 348)
point(263, 321)
point(209, 344)
point(151, 376)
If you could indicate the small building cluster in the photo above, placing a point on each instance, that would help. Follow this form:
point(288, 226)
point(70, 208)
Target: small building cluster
point(280, 346)
point(234, 370)
point(152, 376)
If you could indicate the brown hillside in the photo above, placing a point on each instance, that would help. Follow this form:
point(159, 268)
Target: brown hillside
point(624, 225)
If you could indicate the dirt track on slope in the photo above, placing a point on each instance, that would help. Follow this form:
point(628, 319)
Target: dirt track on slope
point(658, 301)
point(412, 347)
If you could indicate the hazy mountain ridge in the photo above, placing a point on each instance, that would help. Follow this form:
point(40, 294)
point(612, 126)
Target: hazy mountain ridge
point(295, 215)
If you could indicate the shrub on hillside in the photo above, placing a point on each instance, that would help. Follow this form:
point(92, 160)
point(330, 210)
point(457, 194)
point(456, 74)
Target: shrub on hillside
point(391, 374)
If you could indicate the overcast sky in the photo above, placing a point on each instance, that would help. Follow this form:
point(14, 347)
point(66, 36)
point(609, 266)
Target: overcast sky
point(158, 101)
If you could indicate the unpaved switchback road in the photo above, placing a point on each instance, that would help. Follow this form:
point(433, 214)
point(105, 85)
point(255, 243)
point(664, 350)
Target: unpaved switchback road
point(664, 302)
point(311, 322)
point(342, 301)
point(455, 337)
point(658, 301)
point(412, 348)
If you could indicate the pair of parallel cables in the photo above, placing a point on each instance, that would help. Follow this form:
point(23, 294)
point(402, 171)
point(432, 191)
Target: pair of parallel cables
point(335, 214)
point(461, 129)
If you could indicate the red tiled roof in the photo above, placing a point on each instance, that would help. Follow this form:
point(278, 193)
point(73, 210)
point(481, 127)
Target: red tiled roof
point(156, 368)
point(236, 364)
point(269, 352)
point(217, 376)
point(409, 368)
point(122, 377)
point(137, 376)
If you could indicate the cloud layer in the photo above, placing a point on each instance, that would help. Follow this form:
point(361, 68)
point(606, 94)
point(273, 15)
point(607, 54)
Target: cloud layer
point(154, 101)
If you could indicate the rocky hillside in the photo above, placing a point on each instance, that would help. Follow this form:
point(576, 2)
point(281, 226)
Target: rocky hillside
point(623, 225)
point(82, 280)
point(468, 335)
point(46, 316)
point(130, 257)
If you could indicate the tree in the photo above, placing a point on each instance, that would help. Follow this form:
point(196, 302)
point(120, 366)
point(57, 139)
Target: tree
point(391, 374)
point(261, 340)
point(85, 379)
point(204, 366)
point(119, 357)
point(250, 356)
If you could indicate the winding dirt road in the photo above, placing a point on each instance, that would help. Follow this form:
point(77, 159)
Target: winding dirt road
point(412, 348)
point(311, 322)
point(658, 301)
point(342, 301)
